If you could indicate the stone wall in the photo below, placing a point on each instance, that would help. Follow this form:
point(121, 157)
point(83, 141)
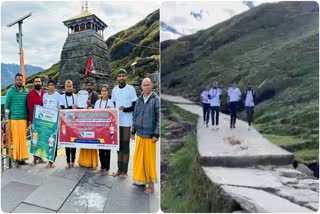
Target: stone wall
point(77, 49)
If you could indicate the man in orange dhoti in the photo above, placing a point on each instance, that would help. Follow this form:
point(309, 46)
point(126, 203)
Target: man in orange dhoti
point(16, 103)
point(146, 127)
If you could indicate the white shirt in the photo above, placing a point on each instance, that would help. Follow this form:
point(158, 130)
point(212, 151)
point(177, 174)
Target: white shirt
point(234, 94)
point(51, 100)
point(249, 99)
point(204, 96)
point(215, 96)
point(69, 101)
point(124, 97)
point(101, 104)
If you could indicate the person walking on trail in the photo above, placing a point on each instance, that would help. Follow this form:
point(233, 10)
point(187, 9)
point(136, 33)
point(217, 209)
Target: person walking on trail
point(104, 154)
point(89, 157)
point(205, 106)
point(234, 95)
point(35, 97)
point(146, 128)
point(124, 97)
point(16, 104)
point(69, 100)
point(248, 98)
point(215, 99)
point(51, 100)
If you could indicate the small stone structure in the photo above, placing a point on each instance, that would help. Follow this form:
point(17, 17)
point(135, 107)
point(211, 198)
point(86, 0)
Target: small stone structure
point(85, 40)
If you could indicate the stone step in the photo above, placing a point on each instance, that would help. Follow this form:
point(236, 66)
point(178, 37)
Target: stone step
point(259, 201)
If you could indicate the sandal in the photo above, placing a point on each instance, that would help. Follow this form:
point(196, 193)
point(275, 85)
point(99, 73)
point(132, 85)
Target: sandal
point(52, 165)
point(33, 162)
point(18, 165)
point(73, 164)
point(99, 171)
point(105, 172)
point(67, 166)
point(40, 160)
point(116, 174)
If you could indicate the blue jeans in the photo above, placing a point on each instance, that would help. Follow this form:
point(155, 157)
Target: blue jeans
point(215, 111)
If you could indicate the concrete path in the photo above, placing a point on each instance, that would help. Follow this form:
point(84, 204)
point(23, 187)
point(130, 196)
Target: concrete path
point(215, 150)
point(41, 190)
point(254, 172)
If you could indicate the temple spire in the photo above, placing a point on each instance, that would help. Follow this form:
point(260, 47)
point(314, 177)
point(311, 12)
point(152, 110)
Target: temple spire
point(86, 5)
point(82, 7)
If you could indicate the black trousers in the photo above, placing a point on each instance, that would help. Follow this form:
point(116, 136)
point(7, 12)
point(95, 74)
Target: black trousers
point(250, 111)
point(206, 112)
point(71, 151)
point(215, 115)
point(124, 153)
point(233, 115)
point(104, 156)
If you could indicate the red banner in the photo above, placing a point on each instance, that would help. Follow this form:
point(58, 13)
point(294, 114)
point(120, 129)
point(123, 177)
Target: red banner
point(89, 128)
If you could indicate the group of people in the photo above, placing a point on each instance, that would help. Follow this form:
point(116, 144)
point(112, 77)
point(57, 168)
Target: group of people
point(138, 116)
point(211, 101)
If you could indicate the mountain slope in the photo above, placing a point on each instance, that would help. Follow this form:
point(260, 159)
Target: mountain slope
point(139, 43)
point(8, 72)
point(274, 46)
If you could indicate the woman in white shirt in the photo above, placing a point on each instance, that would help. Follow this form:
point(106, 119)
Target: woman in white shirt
point(104, 155)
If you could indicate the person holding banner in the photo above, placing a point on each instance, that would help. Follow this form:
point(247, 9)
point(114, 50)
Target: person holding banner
point(35, 97)
point(124, 96)
point(69, 100)
point(16, 105)
point(146, 127)
point(89, 157)
point(104, 154)
point(51, 100)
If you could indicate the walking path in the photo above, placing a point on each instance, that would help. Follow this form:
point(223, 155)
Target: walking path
point(39, 189)
point(254, 172)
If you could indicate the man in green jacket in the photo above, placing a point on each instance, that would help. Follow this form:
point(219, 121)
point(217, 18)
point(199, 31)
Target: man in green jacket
point(16, 103)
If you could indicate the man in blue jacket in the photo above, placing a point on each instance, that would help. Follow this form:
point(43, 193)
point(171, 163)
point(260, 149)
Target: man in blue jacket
point(146, 127)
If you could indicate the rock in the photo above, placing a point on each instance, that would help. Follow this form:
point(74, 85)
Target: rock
point(285, 180)
point(313, 206)
point(298, 196)
point(309, 181)
point(253, 200)
point(304, 169)
point(290, 173)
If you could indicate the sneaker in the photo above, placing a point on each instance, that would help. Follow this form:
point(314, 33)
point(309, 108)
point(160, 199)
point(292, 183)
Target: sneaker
point(207, 125)
point(217, 127)
point(249, 127)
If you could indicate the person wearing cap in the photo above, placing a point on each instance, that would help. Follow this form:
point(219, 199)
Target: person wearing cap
point(205, 105)
point(124, 97)
point(89, 157)
point(69, 100)
point(104, 154)
point(146, 128)
point(215, 99)
point(248, 99)
point(234, 95)
point(51, 100)
point(16, 105)
point(35, 97)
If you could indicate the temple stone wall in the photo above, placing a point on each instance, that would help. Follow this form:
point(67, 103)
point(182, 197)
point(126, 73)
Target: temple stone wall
point(77, 49)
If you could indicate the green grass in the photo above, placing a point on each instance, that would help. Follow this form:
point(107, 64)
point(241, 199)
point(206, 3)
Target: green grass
point(307, 155)
point(187, 188)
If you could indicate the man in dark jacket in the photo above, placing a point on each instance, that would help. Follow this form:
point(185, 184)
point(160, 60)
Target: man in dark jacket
point(146, 127)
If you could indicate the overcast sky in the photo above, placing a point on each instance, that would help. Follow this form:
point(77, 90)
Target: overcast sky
point(178, 15)
point(44, 33)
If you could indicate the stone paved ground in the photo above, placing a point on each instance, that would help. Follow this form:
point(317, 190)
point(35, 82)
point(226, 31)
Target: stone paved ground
point(41, 190)
point(255, 173)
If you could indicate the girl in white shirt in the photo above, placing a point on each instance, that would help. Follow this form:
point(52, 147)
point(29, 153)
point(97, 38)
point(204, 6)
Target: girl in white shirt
point(104, 155)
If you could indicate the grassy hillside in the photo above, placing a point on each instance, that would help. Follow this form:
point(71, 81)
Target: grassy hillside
point(145, 34)
point(139, 43)
point(274, 46)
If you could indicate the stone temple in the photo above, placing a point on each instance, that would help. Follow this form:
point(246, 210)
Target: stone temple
point(85, 41)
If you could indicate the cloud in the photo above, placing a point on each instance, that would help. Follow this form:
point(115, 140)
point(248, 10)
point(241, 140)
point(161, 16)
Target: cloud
point(205, 14)
point(44, 33)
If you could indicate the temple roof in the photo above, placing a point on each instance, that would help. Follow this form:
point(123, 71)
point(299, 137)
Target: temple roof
point(84, 13)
